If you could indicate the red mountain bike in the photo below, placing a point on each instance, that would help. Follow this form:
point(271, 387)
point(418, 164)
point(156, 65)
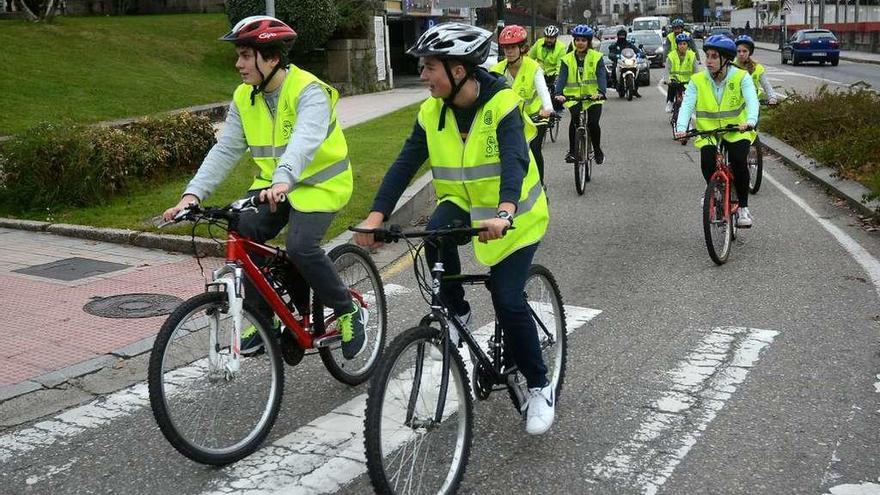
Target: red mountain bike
point(678, 88)
point(720, 204)
point(215, 405)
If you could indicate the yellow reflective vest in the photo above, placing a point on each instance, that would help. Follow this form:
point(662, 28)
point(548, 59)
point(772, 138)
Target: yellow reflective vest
point(468, 173)
point(582, 82)
point(732, 109)
point(326, 183)
point(524, 83)
point(549, 58)
point(681, 70)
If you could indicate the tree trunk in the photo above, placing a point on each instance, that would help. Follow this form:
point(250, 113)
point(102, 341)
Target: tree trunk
point(27, 11)
point(50, 10)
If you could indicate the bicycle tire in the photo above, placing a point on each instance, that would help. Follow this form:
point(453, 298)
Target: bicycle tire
point(713, 211)
point(376, 411)
point(756, 169)
point(336, 364)
point(554, 129)
point(557, 312)
point(159, 401)
point(580, 173)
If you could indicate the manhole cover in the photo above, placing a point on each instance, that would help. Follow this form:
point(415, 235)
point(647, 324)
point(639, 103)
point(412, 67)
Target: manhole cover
point(133, 305)
point(70, 269)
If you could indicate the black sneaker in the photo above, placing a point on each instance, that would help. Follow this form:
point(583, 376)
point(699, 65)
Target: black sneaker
point(351, 327)
point(569, 158)
point(600, 157)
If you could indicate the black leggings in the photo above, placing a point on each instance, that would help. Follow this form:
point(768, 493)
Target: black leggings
point(594, 113)
point(673, 89)
point(738, 156)
point(536, 146)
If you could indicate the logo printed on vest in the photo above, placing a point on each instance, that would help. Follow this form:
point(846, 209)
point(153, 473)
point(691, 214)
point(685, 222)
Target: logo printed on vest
point(491, 146)
point(286, 128)
point(487, 118)
point(730, 86)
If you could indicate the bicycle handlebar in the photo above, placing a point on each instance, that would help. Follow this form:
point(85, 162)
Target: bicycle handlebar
point(586, 98)
point(712, 132)
point(395, 233)
point(194, 211)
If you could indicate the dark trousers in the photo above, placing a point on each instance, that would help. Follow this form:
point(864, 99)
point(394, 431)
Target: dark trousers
point(674, 88)
point(551, 87)
point(738, 156)
point(594, 113)
point(507, 280)
point(537, 146)
point(303, 244)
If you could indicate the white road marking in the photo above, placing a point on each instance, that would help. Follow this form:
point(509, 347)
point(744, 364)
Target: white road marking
point(701, 384)
point(860, 254)
point(327, 453)
point(50, 471)
point(864, 488)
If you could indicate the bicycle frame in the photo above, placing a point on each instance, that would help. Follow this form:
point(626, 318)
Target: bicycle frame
point(724, 173)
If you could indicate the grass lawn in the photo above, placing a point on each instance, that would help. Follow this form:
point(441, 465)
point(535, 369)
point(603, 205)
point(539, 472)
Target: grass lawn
point(90, 69)
point(373, 146)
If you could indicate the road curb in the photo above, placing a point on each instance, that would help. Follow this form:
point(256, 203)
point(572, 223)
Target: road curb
point(849, 190)
point(416, 201)
point(842, 57)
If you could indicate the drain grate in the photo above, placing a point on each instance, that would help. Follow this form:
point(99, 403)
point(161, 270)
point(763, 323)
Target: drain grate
point(133, 305)
point(70, 269)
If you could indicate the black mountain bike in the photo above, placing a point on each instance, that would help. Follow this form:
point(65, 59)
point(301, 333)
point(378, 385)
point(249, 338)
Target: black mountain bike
point(418, 428)
point(583, 165)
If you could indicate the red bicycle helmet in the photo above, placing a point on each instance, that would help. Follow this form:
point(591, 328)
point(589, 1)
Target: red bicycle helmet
point(512, 35)
point(260, 30)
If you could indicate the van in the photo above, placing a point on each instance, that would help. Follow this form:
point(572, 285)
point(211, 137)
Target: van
point(656, 24)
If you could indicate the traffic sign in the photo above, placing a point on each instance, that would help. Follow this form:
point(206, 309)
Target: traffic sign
point(587, 14)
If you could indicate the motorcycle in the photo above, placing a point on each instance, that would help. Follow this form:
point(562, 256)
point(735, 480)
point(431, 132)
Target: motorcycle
point(627, 73)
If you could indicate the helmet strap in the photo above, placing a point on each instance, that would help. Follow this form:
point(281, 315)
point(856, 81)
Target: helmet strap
point(265, 82)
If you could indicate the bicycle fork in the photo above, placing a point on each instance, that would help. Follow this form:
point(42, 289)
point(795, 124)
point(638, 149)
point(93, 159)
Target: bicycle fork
point(226, 365)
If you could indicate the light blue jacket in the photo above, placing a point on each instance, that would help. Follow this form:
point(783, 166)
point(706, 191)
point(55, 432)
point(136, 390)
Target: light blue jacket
point(690, 99)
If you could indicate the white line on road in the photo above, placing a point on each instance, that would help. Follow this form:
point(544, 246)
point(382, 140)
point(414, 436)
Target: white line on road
point(327, 453)
point(701, 384)
point(860, 254)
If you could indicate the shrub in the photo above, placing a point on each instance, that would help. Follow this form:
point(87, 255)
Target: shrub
point(313, 20)
point(69, 165)
point(355, 17)
point(841, 129)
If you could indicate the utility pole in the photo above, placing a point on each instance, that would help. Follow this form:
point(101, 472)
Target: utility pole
point(270, 7)
point(534, 21)
point(821, 13)
point(856, 13)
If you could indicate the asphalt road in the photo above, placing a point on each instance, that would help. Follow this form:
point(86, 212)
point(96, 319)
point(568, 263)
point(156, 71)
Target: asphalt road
point(759, 376)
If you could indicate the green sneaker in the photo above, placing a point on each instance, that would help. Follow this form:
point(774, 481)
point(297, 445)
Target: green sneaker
point(351, 327)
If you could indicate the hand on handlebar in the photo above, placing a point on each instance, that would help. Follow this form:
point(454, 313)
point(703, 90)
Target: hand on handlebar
point(373, 221)
point(560, 99)
point(274, 195)
point(680, 135)
point(745, 127)
point(186, 200)
point(496, 228)
point(544, 113)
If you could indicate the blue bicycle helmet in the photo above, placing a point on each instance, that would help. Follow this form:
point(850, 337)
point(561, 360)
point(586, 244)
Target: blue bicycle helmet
point(682, 38)
point(747, 40)
point(722, 44)
point(677, 23)
point(582, 31)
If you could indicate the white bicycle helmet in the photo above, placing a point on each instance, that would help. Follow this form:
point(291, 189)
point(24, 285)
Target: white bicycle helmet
point(454, 40)
point(551, 31)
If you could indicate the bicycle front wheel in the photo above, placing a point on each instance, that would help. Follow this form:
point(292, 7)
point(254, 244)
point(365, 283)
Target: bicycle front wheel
point(408, 449)
point(717, 228)
point(207, 410)
point(580, 165)
point(545, 301)
point(756, 166)
point(360, 275)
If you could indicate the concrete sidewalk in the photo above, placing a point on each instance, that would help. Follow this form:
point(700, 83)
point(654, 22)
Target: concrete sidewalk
point(851, 56)
point(49, 343)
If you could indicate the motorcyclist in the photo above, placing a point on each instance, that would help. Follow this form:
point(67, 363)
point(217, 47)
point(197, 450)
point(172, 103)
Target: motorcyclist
point(614, 52)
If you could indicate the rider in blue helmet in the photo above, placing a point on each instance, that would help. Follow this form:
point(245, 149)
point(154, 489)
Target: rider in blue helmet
point(723, 95)
point(681, 64)
point(669, 42)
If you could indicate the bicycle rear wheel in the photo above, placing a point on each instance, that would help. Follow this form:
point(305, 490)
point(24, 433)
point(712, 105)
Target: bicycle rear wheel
point(580, 164)
point(717, 228)
point(756, 166)
point(407, 449)
point(545, 300)
point(209, 414)
point(360, 275)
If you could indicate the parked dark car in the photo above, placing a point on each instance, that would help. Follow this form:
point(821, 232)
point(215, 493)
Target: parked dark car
point(818, 45)
point(699, 32)
point(652, 46)
point(721, 30)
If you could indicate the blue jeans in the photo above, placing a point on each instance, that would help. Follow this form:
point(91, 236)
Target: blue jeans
point(507, 281)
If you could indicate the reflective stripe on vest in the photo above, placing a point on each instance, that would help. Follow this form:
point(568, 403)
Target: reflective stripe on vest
point(681, 69)
point(468, 173)
point(712, 115)
point(524, 83)
point(325, 185)
point(577, 87)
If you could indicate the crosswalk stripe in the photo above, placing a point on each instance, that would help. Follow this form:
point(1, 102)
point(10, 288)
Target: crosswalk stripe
point(327, 453)
point(701, 384)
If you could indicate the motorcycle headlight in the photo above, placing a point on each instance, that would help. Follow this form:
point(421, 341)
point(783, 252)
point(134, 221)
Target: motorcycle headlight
point(659, 50)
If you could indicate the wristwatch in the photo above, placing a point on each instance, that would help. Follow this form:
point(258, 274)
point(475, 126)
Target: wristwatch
point(505, 215)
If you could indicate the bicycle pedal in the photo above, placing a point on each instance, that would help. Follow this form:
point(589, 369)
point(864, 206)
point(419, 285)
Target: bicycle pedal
point(328, 341)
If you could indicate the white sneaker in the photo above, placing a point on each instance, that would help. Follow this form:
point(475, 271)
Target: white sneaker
point(743, 218)
point(668, 107)
point(540, 408)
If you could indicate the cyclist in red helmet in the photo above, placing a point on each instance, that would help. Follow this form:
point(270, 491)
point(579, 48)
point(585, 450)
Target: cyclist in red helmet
point(286, 118)
point(526, 78)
